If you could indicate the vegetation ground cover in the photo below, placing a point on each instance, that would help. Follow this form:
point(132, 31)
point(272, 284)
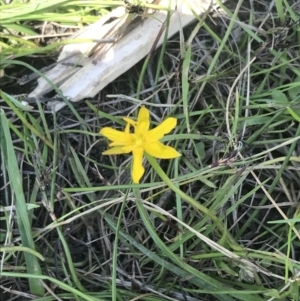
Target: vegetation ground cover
point(219, 223)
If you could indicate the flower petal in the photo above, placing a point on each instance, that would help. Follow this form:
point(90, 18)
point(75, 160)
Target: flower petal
point(127, 129)
point(143, 123)
point(143, 114)
point(130, 121)
point(130, 138)
point(118, 143)
point(142, 127)
point(137, 167)
point(114, 135)
point(161, 151)
point(130, 148)
point(164, 128)
point(117, 150)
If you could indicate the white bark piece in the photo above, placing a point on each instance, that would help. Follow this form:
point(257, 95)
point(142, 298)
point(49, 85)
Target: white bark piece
point(78, 76)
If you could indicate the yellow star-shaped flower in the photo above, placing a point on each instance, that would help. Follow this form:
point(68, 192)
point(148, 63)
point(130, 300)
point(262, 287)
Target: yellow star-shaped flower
point(142, 140)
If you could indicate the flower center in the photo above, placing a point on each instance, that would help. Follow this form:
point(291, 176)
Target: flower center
point(139, 140)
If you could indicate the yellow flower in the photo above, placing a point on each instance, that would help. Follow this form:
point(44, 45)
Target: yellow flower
point(142, 140)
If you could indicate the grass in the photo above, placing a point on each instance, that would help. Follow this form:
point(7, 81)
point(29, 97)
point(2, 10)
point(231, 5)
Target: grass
point(219, 223)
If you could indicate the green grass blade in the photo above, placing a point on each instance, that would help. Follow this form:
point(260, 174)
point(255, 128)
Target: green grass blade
point(32, 263)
